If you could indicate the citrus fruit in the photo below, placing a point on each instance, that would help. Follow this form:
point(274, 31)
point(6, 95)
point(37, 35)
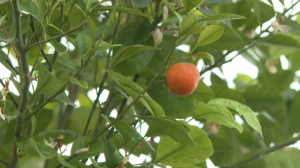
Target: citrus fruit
point(183, 78)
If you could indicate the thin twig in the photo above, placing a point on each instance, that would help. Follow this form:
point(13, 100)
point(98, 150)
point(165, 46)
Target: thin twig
point(2, 161)
point(262, 153)
point(107, 67)
point(7, 36)
point(220, 63)
point(58, 36)
point(121, 115)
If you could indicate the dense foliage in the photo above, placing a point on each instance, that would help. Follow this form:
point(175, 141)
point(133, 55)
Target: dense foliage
point(68, 49)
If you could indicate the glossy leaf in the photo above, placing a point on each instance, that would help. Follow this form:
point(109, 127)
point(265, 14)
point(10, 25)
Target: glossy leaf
point(281, 40)
point(190, 4)
point(189, 26)
point(2, 19)
point(262, 11)
point(231, 39)
point(82, 84)
point(202, 93)
point(63, 162)
point(32, 9)
point(48, 84)
point(45, 151)
point(134, 90)
point(243, 110)
point(103, 46)
point(141, 4)
point(172, 128)
point(219, 114)
point(126, 131)
point(123, 9)
point(126, 52)
point(173, 105)
point(294, 114)
point(84, 43)
point(93, 28)
point(172, 153)
point(95, 164)
point(81, 142)
point(222, 16)
point(58, 46)
point(111, 153)
point(5, 61)
point(203, 55)
point(209, 35)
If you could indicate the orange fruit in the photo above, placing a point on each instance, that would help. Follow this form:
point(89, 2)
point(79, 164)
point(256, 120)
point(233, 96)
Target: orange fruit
point(183, 78)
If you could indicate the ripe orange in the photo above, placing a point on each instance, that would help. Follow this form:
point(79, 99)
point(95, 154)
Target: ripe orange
point(183, 78)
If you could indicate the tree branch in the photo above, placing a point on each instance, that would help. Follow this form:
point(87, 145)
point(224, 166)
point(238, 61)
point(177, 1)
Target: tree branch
point(107, 66)
point(7, 36)
point(262, 153)
point(24, 81)
point(2, 161)
point(58, 36)
point(121, 115)
point(220, 62)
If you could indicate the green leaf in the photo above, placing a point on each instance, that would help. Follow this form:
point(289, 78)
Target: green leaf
point(33, 121)
point(126, 131)
point(32, 9)
point(189, 26)
point(215, 79)
point(134, 90)
point(48, 84)
point(190, 4)
point(281, 40)
point(95, 164)
point(219, 114)
point(294, 116)
point(243, 110)
point(82, 84)
point(58, 46)
point(45, 151)
point(172, 128)
point(81, 142)
point(136, 63)
point(222, 91)
point(3, 1)
point(141, 4)
point(280, 80)
point(231, 39)
point(262, 11)
point(202, 93)
point(43, 120)
point(111, 153)
point(173, 105)
point(202, 55)
point(103, 46)
point(126, 52)
point(123, 10)
point(5, 61)
point(84, 43)
point(172, 10)
point(93, 28)
point(2, 19)
point(63, 162)
point(172, 153)
point(209, 35)
point(222, 16)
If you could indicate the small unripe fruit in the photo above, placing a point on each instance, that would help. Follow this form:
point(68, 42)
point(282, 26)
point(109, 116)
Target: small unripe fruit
point(183, 78)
